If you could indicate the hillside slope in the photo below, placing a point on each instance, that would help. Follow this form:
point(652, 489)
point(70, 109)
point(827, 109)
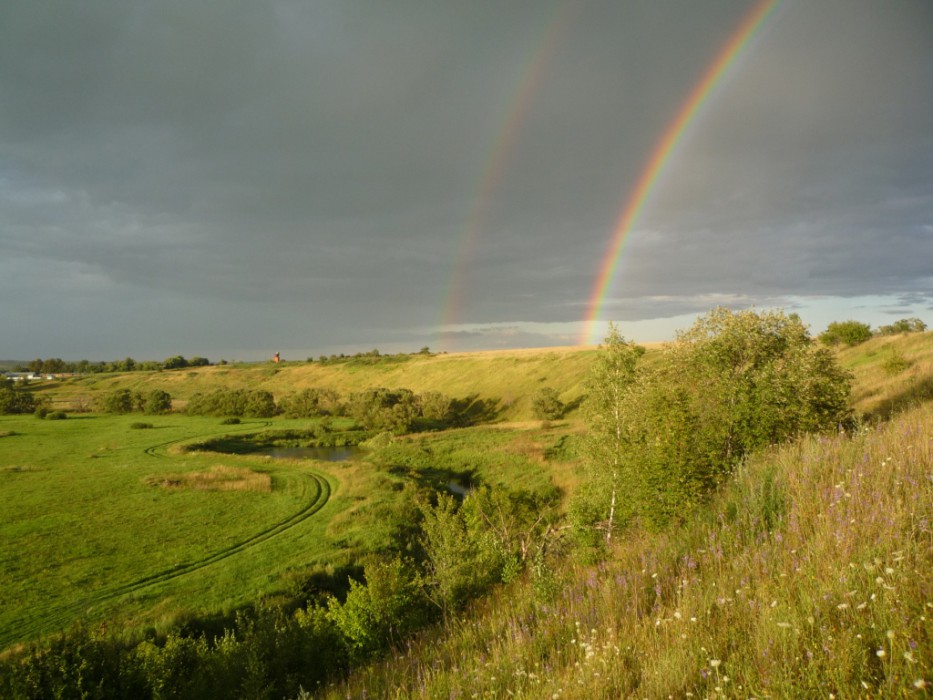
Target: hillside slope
point(808, 577)
point(509, 377)
point(889, 372)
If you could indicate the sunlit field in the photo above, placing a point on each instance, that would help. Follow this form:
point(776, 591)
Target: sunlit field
point(102, 521)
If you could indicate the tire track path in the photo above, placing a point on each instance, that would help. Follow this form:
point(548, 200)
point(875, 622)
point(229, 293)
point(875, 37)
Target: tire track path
point(313, 490)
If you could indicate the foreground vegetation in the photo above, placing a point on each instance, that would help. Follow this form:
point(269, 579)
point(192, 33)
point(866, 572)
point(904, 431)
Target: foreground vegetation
point(675, 427)
point(808, 576)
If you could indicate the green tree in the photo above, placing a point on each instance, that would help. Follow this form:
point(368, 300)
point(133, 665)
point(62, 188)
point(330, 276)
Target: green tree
point(609, 443)
point(381, 612)
point(546, 404)
point(156, 401)
point(175, 362)
point(460, 563)
point(13, 400)
point(733, 383)
point(846, 332)
point(436, 406)
point(384, 409)
point(118, 401)
point(904, 325)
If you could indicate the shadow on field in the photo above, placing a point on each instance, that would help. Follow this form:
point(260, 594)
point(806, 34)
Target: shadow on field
point(914, 393)
point(473, 410)
point(435, 479)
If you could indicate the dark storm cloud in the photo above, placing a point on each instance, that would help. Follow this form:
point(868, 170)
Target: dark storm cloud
point(181, 177)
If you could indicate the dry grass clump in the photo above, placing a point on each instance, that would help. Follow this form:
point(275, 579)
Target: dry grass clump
point(810, 576)
point(219, 478)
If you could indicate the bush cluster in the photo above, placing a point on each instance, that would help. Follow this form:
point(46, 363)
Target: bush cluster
point(904, 325)
point(846, 333)
point(153, 402)
point(13, 400)
point(239, 403)
point(663, 437)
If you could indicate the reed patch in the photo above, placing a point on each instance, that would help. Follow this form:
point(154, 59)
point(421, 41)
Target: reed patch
point(220, 477)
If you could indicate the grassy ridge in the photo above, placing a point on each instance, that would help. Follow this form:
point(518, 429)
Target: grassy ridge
point(509, 377)
point(808, 577)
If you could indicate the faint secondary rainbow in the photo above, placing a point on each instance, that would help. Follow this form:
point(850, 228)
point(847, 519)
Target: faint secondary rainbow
point(665, 147)
point(532, 76)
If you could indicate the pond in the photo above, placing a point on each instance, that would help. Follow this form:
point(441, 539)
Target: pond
point(346, 453)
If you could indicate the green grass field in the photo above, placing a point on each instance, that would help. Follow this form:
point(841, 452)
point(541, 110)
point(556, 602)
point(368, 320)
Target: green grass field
point(98, 522)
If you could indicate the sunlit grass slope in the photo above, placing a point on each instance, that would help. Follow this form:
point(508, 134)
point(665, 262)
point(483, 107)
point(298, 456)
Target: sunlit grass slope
point(890, 372)
point(509, 377)
point(810, 576)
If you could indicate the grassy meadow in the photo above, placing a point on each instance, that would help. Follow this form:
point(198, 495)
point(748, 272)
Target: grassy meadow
point(102, 521)
point(809, 570)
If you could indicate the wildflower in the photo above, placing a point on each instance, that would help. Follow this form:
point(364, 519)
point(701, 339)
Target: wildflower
point(714, 663)
point(909, 657)
point(890, 634)
point(888, 570)
point(920, 684)
point(880, 653)
point(842, 606)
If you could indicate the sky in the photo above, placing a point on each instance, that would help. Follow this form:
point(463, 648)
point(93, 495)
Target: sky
point(233, 179)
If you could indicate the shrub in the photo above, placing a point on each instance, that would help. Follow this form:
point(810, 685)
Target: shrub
point(904, 325)
point(236, 403)
point(141, 426)
point(546, 404)
point(895, 362)
point(230, 421)
point(119, 401)
point(846, 332)
point(731, 384)
point(16, 400)
point(156, 402)
point(57, 415)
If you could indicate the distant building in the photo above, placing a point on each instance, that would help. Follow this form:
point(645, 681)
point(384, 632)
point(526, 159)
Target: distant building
point(23, 376)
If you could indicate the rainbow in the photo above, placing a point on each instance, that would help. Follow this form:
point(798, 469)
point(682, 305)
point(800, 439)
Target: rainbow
point(665, 147)
point(532, 76)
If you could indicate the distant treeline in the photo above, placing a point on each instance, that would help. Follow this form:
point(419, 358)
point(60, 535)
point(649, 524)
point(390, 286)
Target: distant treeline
point(56, 365)
point(854, 332)
point(371, 357)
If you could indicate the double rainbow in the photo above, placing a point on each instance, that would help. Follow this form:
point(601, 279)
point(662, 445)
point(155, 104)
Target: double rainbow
point(504, 144)
point(661, 155)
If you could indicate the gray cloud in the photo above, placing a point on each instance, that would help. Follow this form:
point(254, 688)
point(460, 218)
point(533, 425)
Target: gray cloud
point(205, 178)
